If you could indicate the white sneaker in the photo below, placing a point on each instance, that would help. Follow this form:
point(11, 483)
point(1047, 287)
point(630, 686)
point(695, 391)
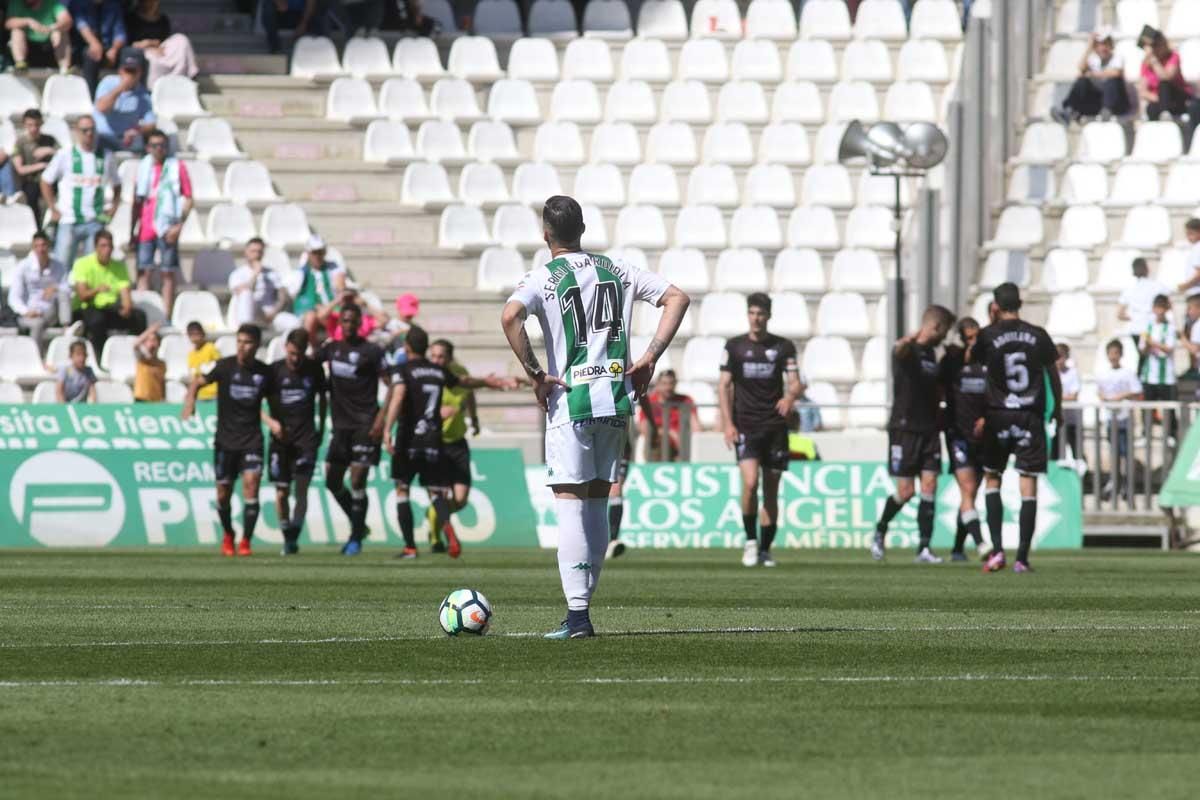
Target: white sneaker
point(926, 556)
point(750, 553)
point(615, 548)
point(765, 559)
point(877, 548)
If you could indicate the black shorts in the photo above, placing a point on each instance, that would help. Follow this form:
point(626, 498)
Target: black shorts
point(229, 465)
point(426, 463)
point(769, 447)
point(1019, 433)
point(457, 456)
point(964, 453)
point(910, 453)
point(287, 461)
point(353, 447)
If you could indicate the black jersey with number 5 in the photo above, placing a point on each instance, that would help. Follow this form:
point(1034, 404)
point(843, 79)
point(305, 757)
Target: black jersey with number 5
point(421, 419)
point(240, 393)
point(915, 390)
point(1017, 356)
point(355, 369)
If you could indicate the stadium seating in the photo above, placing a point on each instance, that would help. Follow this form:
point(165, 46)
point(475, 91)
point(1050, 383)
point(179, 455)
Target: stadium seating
point(20, 360)
point(417, 58)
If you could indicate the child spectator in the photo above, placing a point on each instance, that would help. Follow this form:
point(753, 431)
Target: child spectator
point(1117, 385)
point(1073, 417)
point(203, 352)
point(76, 380)
point(1157, 347)
point(150, 379)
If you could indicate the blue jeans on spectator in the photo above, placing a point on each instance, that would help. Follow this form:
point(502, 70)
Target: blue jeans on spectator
point(8, 179)
point(273, 19)
point(68, 241)
point(169, 255)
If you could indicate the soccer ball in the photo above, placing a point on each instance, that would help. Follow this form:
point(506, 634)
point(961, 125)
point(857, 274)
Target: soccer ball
point(465, 611)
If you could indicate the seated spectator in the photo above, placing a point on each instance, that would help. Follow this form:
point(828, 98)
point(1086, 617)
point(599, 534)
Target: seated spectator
point(76, 381)
point(333, 320)
point(305, 17)
point(102, 294)
point(317, 288)
point(677, 406)
point(1100, 87)
point(363, 17)
point(1161, 86)
point(100, 29)
point(33, 154)
point(167, 53)
point(124, 112)
point(39, 33)
point(40, 294)
point(72, 186)
point(150, 378)
point(258, 296)
point(162, 200)
point(203, 352)
point(1068, 376)
point(413, 19)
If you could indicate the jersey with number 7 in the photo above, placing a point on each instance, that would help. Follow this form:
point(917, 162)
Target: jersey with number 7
point(1018, 357)
point(584, 303)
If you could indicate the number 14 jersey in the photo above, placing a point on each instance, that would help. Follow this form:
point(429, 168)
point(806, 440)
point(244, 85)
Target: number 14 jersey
point(1017, 356)
point(584, 303)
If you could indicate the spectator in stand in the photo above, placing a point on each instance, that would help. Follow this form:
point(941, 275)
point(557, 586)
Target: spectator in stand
point(412, 18)
point(1135, 306)
point(258, 296)
point(162, 200)
point(1100, 88)
point(407, 308)
point(800, 447)
point(73, 186)
point(203, 352)
point(1072, 417)
point(8, 178)
point(1191, 337)
point(34, 151)
point(40, 294)
point(103, 296)
point(150, 377)
point(1118, 384)
point(651, 426)
point(333, 320)
point(305, 17)
point(318, 287)
point(1161, 86)
point(39, 32)
point(100, 25)
point(124, 112)
point(1157, 367)
point(363, 17)
point(76, 381)
point(167, 53)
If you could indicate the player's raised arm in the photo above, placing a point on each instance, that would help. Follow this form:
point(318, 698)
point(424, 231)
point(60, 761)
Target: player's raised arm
point(674, 304)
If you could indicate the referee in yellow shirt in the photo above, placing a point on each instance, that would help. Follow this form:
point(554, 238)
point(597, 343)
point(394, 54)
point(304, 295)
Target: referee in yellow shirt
point(457, 404)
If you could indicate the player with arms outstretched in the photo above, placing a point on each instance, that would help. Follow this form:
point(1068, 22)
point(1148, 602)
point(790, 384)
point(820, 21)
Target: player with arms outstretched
point(760, 384)
point(1023, 394)
point(300, 398)
point(584, 303)
point(243, 382)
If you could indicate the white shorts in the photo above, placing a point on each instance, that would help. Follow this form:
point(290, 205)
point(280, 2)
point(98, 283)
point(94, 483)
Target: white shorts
point(579, 452)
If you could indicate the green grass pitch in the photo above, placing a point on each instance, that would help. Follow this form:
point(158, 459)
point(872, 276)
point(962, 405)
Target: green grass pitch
point(181, 674)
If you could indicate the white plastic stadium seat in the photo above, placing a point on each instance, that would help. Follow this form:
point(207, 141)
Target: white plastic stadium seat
point(641, 226)
point(925, 60)
point(703, 354)
point(856, 270)
point(662, 19)
point(176, 97)
point(1043, 143)
point(849, 100)
point(789, 314)
point(595, 235)
point(870, 226)
point(1101, 143)
point(513, 101)
point(426, 185)
point(740, 270)
point(17, 226)
point(151, 304)
point(843, 314)
point(558, 143)
point(755, 226)
point(534, 182)
point(742, 101)
point(654, 185)
point(607, 19)
point(285, 224)
point(417, 57)
point(867, 60)
point(474, 57)
point(770, 185)
point(716, 18)
point(588, 60)
point(823, 395)
point(770, 19)
point(686, 101)
point(671, 143)
point(11, 394)
point(712, 184)
point(813, 226)
point(644, 59)
point(700, 226)
point(936, 19)
point(880, 19)
point(1031, 183)
point(1064, 270)
point(1083, 227)
point(1084, 184)
point(909, 101)
point(462, 228)
point(615, 143)
point(58, 352)
point(828, 358)
point(212, 140)
point(685, 267)
point(248, 183)
point(453, 99)
point(703, 60)
point(174, 351)
point(1147, 227)
point(198, 306)
point(1115, 275)
point(1183, 185)
point(117, 358)
point(723, 314)
point(868, 405)
point(874, 359)
point(20, 359)
point(1019, 228)
point(494, 142)
point(112, 392)
point(827, 185)
point(482, 185)
point(17, 95)
point(388, 142)
point(205, 189)
point(533, 59)
point(811, 60)
point(1072, 314)
point(314, 57)
point(599, 185)
point(1062, 60)
point(350, 99)
point(516, 226)
point(575, 101)
point(1009, 266)
point(230, 224)
point(44, 392)
point(1135, 184)
point(784, 143)
point(825, 19)
point(757, 59)
point(1157, 142)
point(829, 137)
point(1173, 268)
point(1132, 15)
point(728, 143)
point(1183, 22)
point(404, 99)
point(631, 101)
point(798, 270)
point(553, 19)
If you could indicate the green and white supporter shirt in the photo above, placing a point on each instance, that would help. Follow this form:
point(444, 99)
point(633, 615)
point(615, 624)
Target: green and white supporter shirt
point(1159, 370)
point(81, 179)
point(584, 303)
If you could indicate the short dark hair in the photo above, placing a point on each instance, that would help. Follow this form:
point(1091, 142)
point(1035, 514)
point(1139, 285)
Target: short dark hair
point(563, 219)
point(104, 234)
point(77, 345)
point(32, 113)
point(943, 315)
point(298, 338)
point(156, 133)
point(1115, 343)
point(1140, 267)
point(1064, 350)
point(1008, 297)
point(759, 300)
point(255, 240)
point(1161, 301)
point(194, 327)
point(1193, 224)
point(417, 340)
point(444, 343)
point(668, 373)
point(253, 331)
point(40, 234)
point(965, 324)
point(353, 308)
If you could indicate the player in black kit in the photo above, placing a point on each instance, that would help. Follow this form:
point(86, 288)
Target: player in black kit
point(243, 382)
point(300, 398)
point(417, 391)
point(913, 446)
point(356, 368)
point(760, 383)
point(964, 386)
point(1023, 394)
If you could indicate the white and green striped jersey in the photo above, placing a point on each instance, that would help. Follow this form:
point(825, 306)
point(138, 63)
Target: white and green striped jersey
point(1159, 370)
point(584, 303)
point(81, 177)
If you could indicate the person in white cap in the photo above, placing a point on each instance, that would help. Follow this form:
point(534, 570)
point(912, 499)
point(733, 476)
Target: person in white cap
point(318, 287)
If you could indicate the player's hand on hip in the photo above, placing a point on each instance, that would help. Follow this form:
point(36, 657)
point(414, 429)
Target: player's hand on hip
point(640, 374)
point(543, 386)
point(731, 435)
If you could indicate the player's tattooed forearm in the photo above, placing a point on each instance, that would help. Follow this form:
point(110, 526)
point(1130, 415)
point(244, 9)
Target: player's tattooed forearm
point(528, 359)
point(656, 347)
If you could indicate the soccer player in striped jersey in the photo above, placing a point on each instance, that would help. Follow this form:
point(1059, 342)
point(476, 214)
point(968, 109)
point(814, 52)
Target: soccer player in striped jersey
point(584, 303)
point(1157, 345)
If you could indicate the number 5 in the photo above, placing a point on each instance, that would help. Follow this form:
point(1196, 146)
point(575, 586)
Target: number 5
point(1016, 374)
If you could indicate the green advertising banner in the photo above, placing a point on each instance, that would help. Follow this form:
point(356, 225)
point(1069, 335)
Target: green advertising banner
point(1182, 488)
point(822, 505)
point(96, 476)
